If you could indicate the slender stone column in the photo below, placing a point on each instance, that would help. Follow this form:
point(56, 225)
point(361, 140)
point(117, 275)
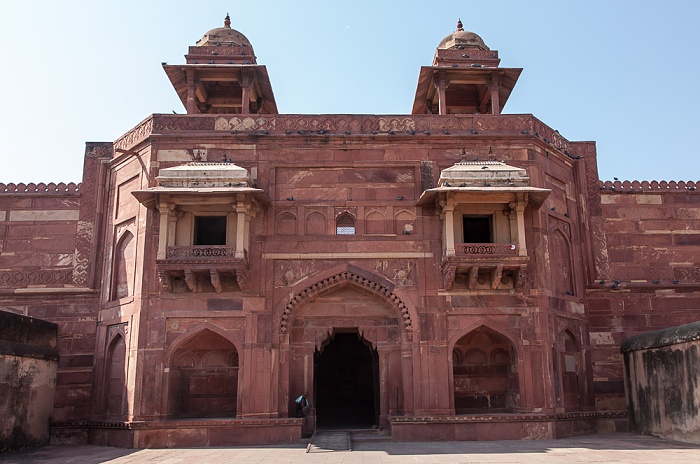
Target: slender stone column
point(442, 102)
point(191, 97)
point(240, 231)
point(448, 212)
point(520, 211)
point(495, 98)
point(164, 210)
point(384, 390)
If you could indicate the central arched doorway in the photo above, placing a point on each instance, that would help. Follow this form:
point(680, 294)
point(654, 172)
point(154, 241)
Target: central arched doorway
point(346, 382)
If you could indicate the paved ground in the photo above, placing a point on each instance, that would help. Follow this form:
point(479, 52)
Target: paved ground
point(594, 448)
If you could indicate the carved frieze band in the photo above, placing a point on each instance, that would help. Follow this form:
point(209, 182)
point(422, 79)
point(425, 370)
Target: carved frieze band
point(39, 277)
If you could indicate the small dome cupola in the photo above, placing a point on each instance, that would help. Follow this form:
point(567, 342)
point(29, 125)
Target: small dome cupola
point(461, 39)
point(222, 76)
point(224, 36)
point(465, 78)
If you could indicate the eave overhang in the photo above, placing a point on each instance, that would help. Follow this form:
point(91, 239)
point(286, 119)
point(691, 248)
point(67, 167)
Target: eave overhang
point(476, 76)
point(229, 72)
point(192, 195)
point(535, 196)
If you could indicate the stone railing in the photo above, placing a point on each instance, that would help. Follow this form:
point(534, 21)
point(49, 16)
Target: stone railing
point(201, 252)
point(40, 188)
point(486, 249)
point(647, 186)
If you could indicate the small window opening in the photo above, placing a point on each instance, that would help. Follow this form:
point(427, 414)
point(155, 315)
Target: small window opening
point(210, 230)
point(345, 225)
point(477, 229)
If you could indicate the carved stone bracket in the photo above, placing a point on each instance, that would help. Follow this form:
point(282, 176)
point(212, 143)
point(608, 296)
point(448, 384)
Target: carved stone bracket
point(165, 280)
point(243, 279)
point(496, 277)
point(473, 274)
point(448, 276)
point(191, 280)
point(519, 277)
point(215, 280)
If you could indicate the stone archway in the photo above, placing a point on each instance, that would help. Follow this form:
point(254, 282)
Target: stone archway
point(347, 307)
point(486, 378)
point(203, 380)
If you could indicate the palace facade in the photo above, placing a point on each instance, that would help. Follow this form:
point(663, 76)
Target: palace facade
point(451, 274)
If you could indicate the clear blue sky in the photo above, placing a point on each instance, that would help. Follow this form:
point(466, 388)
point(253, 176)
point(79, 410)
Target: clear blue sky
point(623, 73)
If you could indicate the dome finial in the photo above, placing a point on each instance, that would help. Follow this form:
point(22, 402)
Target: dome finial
point(459, 25)
point(227, 21)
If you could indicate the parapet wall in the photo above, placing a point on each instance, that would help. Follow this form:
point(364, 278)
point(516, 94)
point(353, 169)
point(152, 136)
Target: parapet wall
point(662, 376)
point(28, 363)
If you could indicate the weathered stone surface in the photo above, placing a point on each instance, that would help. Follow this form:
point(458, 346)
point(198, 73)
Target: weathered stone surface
point(663, 382)
point(28, 359)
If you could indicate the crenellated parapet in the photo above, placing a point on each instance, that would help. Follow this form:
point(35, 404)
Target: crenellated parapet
point(41, 188)
point(647, 186)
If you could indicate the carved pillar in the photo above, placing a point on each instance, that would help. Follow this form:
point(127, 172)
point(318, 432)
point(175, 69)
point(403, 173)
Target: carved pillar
point(513, 222)
point(191, 89)
point(520, 211)
point(495, 98)
point(384, 390)
point(441, 88)
point(164, 210)
point(448, 212)
point(240, 230)
point(246, 81)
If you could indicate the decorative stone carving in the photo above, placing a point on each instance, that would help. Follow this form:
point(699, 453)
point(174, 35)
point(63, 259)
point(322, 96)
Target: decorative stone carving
point(191, 280)
point(346, 276)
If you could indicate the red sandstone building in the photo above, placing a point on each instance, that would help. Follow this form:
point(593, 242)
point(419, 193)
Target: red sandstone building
point(455, 273)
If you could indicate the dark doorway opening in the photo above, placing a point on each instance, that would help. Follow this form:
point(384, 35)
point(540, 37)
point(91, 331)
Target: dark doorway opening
point(347, 383)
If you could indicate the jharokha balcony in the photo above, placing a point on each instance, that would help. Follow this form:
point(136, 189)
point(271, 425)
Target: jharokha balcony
point(484, 266)
point(201, 268)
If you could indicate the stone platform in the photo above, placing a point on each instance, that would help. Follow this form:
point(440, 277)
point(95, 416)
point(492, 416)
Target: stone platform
point(618, 448)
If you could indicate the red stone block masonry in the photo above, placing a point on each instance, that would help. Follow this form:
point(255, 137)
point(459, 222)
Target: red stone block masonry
point(456, 273)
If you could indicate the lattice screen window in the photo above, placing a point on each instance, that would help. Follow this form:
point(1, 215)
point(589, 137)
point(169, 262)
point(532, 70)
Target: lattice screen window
point(345, 225)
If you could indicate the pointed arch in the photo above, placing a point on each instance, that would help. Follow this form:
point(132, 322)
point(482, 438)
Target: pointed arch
point(116, 377)
point(345, 224)
point(561, 264)
point(194, 331)
point(286, 224)
point(403, 219)
point(123, 266)
point(347, 277)
point(570, 363)
point(203, 376)
point(375, 223)
point(315, 223)
point(487, 379)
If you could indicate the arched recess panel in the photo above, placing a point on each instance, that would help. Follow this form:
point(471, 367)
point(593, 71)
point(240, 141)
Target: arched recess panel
point(560, 264)
point(403, 222)
point(486, 379)
point(124, 267)
point(375, 223)
point(569, 367)
point(286, 224)
point(315, 224)
point(116, 377)
point(204, 377)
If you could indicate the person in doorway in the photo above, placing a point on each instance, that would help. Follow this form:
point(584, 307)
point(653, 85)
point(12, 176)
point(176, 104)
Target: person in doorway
point(302, 406)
